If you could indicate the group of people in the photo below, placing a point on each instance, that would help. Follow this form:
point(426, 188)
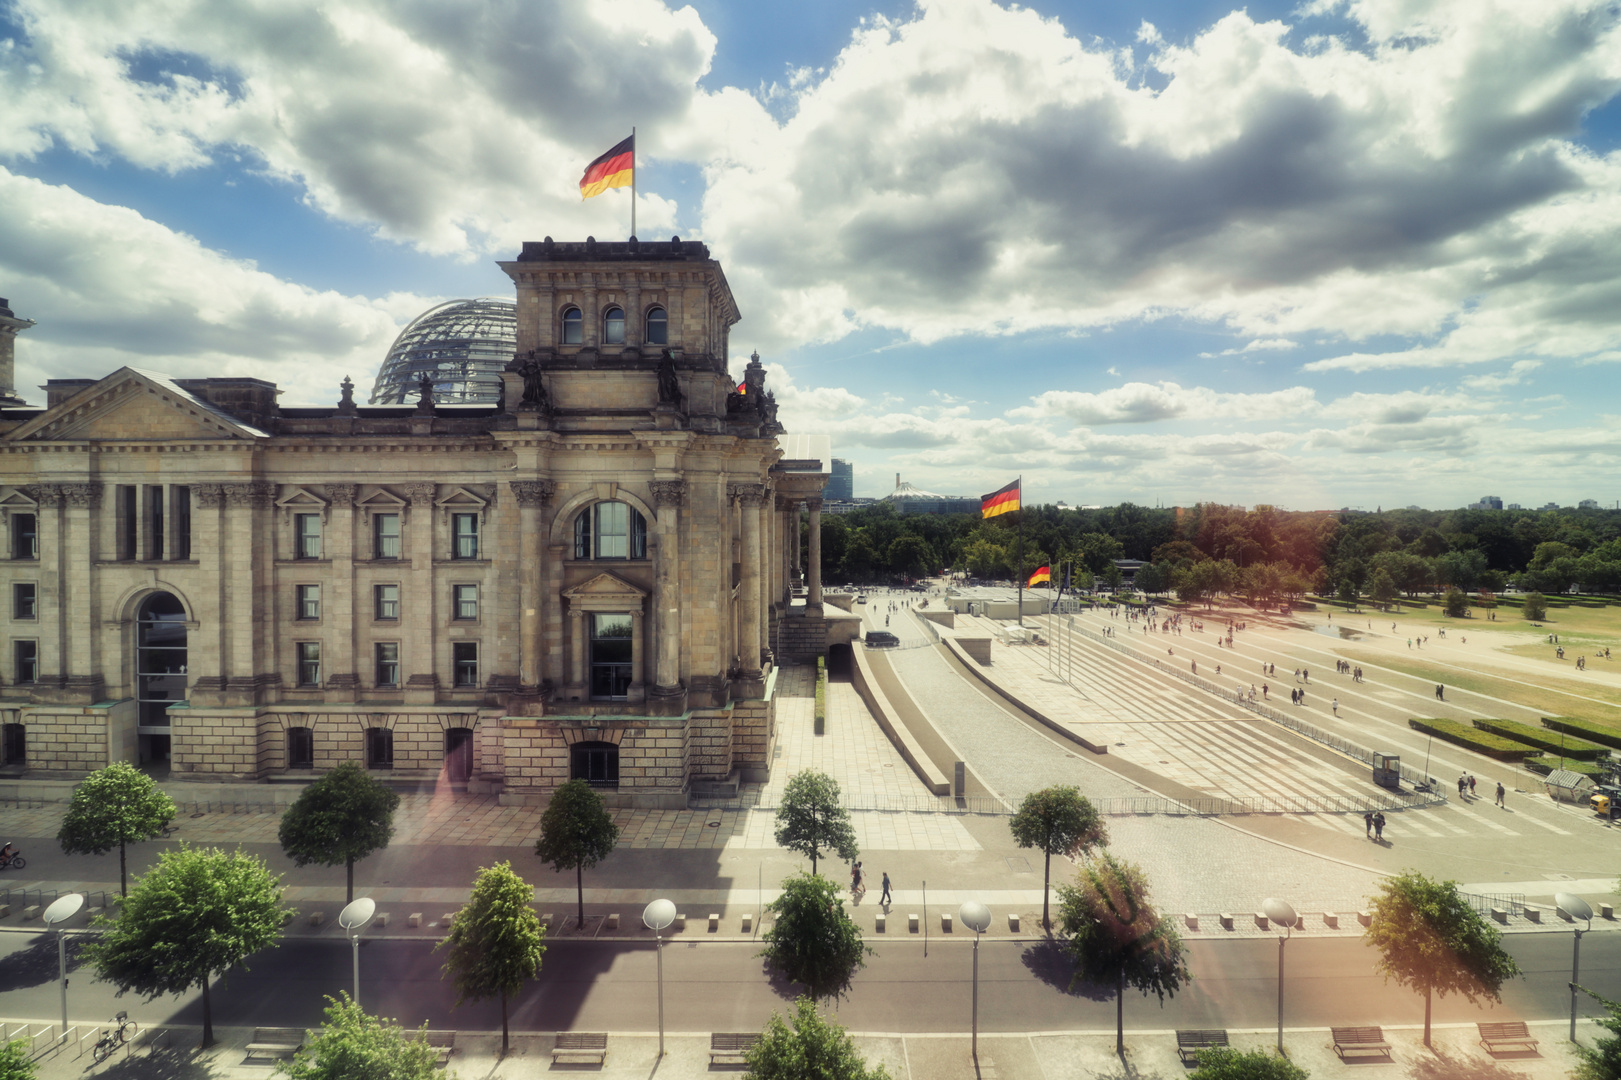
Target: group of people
point(858, 885)
point(1375, 824)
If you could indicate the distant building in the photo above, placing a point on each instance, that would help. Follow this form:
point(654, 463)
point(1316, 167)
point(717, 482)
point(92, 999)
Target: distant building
point(1588, 504)
point(1550, 506)
point(842, 483)
point(1515, 506)
point(1488, 502)
point(914, 500)
point(845, 506)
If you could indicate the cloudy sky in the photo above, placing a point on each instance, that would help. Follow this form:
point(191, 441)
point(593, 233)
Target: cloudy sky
point(1335, 253)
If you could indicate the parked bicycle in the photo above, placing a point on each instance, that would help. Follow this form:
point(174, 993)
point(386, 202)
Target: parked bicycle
point(123, 1030)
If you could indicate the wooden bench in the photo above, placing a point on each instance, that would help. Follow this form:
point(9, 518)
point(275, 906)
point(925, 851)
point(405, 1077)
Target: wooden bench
point(1506, 1034)
point(275, 1042)
point(442, 1041)
point(1189, 1043)
point(731, 1044)
point(592, 1044)
point(1360, 1040)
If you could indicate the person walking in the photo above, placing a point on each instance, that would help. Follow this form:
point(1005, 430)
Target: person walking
point(1367, 823)
point(1379, 826)
point(855, 880)
point(1440, 692)
point(1336, 706)
point(1500, 794)
point(1471, 785)
point(883, 897)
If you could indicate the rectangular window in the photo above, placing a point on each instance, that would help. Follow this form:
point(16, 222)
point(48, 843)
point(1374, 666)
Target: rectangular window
point(300, 748)
point(386, 536)
point(388, 663)
point(24, 536)
point(465, 529)
point(379, 748)
point(386, 601)
point(180, 500)
point(129, 522)
point(465, 601)
point(25, 654)
point(307, 536)
point(464, 657)
point(309, 663)
point(309, 601)
point(613, 530)
point(24, 600)
point(154, 521)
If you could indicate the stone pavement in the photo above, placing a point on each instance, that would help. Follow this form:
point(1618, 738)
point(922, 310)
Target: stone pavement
point(1150, 1055)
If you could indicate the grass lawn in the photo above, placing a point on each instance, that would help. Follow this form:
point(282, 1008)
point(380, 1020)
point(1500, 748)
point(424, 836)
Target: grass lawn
point(1535, 697)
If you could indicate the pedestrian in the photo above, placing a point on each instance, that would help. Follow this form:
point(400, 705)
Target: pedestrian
point(1264, 689)
point(1462, 783)
point(1367, 823)
point(1439, 694)
point(1471, 785)
point(1379, 826)
point(855, 879)
point(1336, 706)
point(1500, 793)
point(883, 897)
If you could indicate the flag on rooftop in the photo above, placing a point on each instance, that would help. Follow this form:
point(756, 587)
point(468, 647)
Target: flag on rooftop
point(1002, 501)
point(616, 168)
point(1044, 573)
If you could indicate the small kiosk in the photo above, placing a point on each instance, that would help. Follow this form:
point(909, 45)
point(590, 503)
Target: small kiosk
point(1387, 770)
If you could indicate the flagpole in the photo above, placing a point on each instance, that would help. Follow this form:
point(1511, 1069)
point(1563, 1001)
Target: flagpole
point(633, 181)
point(1021, 551)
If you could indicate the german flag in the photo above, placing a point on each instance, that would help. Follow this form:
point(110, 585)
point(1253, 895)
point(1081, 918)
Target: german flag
point(1002, 501)
point(1044, 573)
point(616, 168)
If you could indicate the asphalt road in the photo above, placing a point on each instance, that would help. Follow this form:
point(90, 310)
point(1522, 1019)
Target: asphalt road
point(721, 987)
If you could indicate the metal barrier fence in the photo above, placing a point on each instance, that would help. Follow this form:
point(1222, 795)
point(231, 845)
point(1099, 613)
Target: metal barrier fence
point(1513, 903)
point(1261, 804)
point(1431, 797)
point(884, 804)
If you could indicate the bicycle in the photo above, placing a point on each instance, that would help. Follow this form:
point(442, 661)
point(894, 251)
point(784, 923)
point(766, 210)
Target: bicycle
point(13, 862)
point(122, 1031)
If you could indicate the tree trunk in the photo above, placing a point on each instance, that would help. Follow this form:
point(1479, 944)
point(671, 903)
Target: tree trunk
point(503, 1023)
point(579, 892)
point(1426, 1016)
point(208, 1016)
point(1120, 1014)
point(123, 874)
point(813, 862)
point(1046, 885)
point(350, 864)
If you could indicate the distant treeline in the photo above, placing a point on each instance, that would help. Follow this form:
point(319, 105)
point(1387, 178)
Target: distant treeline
point(1264, 551)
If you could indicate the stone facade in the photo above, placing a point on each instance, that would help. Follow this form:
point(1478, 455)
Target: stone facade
point(588, 575)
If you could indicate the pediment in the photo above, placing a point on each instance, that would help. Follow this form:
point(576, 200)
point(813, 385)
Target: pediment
point(382, 501)
point(606, 592)
point(133, 406)
point(302, 499)
point(463, 499)
point(13, 499)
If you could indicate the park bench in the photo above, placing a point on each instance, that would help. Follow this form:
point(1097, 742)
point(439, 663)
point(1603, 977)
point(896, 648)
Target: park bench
point(593, 1044)
point(442, 1041)
point(1506, 1034)
point(275, 1042)
point(1189, 1043)
point(1360, 1040)
point(731, 1044)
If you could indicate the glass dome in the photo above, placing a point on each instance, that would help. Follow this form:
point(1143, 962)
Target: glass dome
point(462, 345)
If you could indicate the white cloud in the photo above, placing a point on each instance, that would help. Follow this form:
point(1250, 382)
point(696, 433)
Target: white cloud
point(1145, 403)
point(1258, 345)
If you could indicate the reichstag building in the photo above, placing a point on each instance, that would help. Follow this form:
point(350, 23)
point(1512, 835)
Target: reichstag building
point(570, 548)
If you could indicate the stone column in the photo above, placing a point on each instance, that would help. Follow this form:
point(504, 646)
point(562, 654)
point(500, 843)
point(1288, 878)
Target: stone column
point(668, 495)
point(633, 311)
point(419, 618)
point(338, 610)
point(769, 557)
point(247, 542)
point(813, 573)
point(749, 497)
point(638, 678)
point(591, 331)
point(207, 647)
point(83, 677)
point(793, 545)
point(51, 596)
point(576, 623)
point(532, 495)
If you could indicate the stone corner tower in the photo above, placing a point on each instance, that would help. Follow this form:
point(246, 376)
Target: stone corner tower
point(10, 327)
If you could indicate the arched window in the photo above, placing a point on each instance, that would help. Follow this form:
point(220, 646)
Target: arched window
point(597, 763)
point(658, 327)
point(613, 326)
point(610, 530)
point(573, 326)
point(160, 657)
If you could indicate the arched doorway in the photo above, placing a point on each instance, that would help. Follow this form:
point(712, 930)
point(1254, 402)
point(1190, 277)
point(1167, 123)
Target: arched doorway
point(160, 670)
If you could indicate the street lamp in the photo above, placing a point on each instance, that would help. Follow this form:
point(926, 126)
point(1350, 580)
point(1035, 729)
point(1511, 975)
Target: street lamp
point(977, 917)
point(61, 910)
point(354, 918)
point(1279, 911)
point(656, 916)
point(1576, 908)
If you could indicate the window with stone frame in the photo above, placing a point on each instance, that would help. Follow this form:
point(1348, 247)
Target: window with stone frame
point(464, 536)
point(25, 661)
point(385, 532)
point(379, 748)
point(464, 663)
point(309, 602)
point(24, 536)
point(610, 530)
point(597, 763)
point(306, 536)
point(658, 326)
point(300, 748)
point(573, 326)
point(309, 663)
point(386, 669)
point(613, 326)
point(24, 600)
point(464, 602)
point(385, 602)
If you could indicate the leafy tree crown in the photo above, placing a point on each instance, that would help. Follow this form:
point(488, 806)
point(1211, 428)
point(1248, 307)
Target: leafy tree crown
point(1058, 821)
point(1112, 929)
point(813, 941)
point(347, 814)
point(576, 832)
point(810, 819)
point(113, 806)
point(1226, 1063)
point(495, 942)
point(353, 1045)
point(1430, 939)
point(814, 1047)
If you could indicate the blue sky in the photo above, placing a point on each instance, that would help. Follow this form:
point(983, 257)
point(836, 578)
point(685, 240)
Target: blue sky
point(1316, 255)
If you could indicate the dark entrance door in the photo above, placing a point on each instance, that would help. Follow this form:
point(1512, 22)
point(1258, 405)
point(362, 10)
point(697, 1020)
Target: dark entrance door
point(14, 745)
point(459, 754)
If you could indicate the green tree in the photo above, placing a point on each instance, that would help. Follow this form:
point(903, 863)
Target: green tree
point(1602, 1060)
point(1112, 577)
point(16, 1064)
point(342, 817)
point(1226, 1063)
point(813, 940)
point(576, 833)
point(496, 941)
point(1430, 940)
point(811, 820)
point(193, 917)
point(112, 808)
point(985, 559)
point(1381, 587)
point(910, 555)
point(814, 1048)
point(1535, 606)
point(354, 1045)
point(1346, 593)
point(1117, 938)
point(1456, 603)
point(1057, 821)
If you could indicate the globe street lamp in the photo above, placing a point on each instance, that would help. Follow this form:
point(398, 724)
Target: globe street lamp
point(1279, 912)
point(354, 918)
point(1576, 908)
point(61, 910)
point(656, 916)
point(977, 917)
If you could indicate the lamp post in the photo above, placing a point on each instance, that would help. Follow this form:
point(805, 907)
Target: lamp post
point(1279, 911)
point(354, 918)
point(977, 917)
point(64, 908)
point(658, 915)
point(1576, 908)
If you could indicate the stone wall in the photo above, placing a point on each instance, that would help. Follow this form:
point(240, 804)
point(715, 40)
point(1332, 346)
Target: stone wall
point(68, 742)
point(710, 742)
point(803, 637)
point(214, 744)
point(754, 731)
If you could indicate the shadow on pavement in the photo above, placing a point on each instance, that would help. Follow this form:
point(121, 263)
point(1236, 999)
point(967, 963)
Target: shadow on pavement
point(1467, 1067)
point(1048, 961)
point(179, 1063)
point(37, 964)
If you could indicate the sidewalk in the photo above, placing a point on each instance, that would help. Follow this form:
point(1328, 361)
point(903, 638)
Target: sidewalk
point(1150, 1055)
